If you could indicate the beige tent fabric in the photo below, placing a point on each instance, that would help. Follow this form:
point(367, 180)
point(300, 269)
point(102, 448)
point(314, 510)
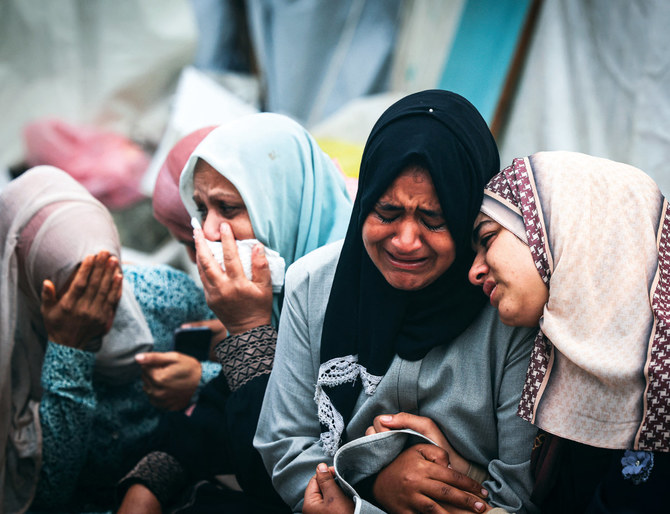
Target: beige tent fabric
point(592, 226)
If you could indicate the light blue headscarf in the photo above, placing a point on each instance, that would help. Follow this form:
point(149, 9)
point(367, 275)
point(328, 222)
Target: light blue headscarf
point(294, 193)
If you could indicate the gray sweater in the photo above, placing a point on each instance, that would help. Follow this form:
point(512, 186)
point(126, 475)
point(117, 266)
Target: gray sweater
point(469, 387)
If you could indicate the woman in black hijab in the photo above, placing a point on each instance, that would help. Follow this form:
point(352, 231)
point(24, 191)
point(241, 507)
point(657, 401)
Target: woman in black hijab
point(400, 299)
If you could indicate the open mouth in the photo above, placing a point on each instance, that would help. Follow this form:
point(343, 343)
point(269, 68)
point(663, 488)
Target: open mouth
point(406, 263)
point(489, 287)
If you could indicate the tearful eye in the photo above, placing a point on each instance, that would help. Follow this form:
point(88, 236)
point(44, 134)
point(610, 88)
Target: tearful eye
point(434, 228)
point(385, 220)
point(227, 208)
point(486, 240)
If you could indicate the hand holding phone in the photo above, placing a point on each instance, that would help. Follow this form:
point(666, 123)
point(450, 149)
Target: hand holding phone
point(194, 341)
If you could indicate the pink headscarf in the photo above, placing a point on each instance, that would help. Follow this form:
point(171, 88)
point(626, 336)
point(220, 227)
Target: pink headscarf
point(168, 207)
point(48, 224)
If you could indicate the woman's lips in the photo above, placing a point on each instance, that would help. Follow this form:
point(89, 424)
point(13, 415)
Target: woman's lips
point(404, 262)
point(489, 286)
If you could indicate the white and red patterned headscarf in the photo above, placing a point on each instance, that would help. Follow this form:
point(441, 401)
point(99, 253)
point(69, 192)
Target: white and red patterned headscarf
point(598, 231)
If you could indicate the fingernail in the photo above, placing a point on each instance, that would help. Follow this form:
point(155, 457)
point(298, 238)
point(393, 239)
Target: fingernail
point(259, 249)
point(386, 418)
point(485, 492)
point(322, 468)
point(139, 357)
point(225, 228)
point(186, 325)
point(479, 506)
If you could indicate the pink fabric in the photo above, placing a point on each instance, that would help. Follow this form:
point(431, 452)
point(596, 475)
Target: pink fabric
point(168, 207)
point(108, 165)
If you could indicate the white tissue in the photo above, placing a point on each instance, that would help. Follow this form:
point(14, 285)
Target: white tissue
point(275, 261)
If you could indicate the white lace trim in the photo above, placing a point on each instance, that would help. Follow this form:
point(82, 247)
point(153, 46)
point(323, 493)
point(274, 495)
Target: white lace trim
point(333, 373)
point(370, 381)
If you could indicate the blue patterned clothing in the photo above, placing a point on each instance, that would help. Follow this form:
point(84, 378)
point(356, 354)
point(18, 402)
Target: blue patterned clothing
point(93, 431)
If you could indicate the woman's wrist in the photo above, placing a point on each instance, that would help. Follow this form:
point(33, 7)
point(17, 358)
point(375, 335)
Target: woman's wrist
point(247, 325)
point(248, 355)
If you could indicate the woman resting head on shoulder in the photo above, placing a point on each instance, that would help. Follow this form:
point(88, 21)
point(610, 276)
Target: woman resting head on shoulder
point(387, 321)
point(261, 177)
point(577, 244)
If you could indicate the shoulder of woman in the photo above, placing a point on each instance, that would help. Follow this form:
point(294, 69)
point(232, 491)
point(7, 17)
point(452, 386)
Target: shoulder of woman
point(309, 279)
point(487, 331)
point(159, 275)
point(163, 285)
point(316, 263)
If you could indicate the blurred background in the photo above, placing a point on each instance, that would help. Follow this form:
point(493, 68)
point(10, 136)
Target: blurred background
point(104, 88)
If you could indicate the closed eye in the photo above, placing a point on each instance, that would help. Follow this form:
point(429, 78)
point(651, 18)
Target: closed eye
point(385, 219)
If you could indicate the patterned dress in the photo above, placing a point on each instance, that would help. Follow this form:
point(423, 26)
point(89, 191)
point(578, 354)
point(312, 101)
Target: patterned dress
point(93, 432)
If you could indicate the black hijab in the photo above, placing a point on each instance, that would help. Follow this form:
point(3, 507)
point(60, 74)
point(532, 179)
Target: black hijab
point(366, 317)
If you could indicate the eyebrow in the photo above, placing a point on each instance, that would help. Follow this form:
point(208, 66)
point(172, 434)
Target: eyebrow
point(221, 196)
point(396, 208)
point(477, 230)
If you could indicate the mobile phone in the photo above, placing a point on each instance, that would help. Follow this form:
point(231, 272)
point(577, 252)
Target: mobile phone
point(193, 341)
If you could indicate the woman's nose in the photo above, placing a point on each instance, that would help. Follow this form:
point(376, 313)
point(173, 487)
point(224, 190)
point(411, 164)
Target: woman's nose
point(478, 270)
point(211, 227)
point(407, 237)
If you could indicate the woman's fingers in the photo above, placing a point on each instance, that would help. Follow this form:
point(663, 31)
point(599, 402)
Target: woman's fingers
point(104, 298)
point(455, 494)
point(78, 286)
point(117, 286)
point(421, 424)
point(231, 257)
point(313, 492)
point(434, 454)
point(209, 269)
point(93, 281)
point(49, 298)
point(324, 495)
point(260, 269)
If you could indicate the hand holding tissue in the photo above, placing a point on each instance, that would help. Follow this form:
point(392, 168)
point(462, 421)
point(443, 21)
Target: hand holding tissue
point(276, 262)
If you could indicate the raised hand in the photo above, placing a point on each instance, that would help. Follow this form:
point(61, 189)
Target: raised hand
point(241, 304)
point(84, 309)
point(324, 496)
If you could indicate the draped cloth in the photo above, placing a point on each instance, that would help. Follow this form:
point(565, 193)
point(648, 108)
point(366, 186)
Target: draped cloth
point(598, 233)
point(294, 194)
point(168, 208)
point(367, 321)
point(48, 224)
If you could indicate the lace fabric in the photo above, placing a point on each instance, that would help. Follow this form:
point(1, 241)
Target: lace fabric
point(333, 373)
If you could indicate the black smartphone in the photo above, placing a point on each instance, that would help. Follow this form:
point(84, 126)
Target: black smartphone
point(193, 341)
